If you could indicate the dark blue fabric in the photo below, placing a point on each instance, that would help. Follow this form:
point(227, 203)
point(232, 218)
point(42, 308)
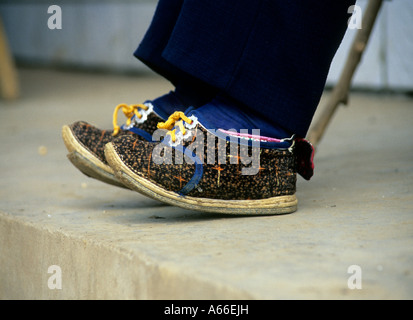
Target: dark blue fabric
point(273, 56)
point(175, 100)
point(189, 89)
point(157, 36)
point(222, 113)
point(167, 104)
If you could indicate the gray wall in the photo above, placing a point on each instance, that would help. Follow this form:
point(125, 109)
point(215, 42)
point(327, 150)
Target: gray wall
point(388, 60)
point(104, 34)
point(94, 34)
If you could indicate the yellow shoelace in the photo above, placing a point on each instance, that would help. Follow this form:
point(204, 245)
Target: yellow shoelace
point(129, 111)
point(170, 123)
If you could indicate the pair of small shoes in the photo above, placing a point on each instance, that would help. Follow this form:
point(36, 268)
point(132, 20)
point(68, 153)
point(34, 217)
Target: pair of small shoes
point(182, 163)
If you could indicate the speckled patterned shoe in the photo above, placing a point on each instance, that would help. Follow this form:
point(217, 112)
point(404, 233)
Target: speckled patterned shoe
point(86, 143)
point(198, 169)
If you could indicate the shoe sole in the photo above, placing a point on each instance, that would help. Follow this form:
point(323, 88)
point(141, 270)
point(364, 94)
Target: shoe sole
point(269, 206)
point(86, 161)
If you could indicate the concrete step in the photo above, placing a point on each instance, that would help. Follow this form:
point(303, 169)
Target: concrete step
point(66, 236)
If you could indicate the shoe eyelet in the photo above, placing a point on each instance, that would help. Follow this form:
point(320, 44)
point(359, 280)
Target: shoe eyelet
point(193, 124)
point(178, 139)
point(144, 114)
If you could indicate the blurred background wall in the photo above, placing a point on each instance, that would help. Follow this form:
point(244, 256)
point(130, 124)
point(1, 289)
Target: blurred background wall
point(102, 35)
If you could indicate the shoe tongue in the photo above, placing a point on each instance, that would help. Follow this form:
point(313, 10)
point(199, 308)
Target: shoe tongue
point(189, 110)
point(154, 111)
point(166, 105)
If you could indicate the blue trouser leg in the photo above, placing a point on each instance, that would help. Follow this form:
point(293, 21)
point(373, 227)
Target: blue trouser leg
point(273, 56)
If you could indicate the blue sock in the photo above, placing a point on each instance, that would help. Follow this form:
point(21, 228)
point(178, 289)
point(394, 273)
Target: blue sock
point(183, 97)
point(225, 113)
point(167, 104)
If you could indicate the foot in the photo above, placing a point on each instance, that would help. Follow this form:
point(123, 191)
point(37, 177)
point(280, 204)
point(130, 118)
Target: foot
point(209, 170)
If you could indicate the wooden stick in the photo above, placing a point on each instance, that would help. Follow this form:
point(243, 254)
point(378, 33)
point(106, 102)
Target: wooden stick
point(341, 90)
point(9, 87)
